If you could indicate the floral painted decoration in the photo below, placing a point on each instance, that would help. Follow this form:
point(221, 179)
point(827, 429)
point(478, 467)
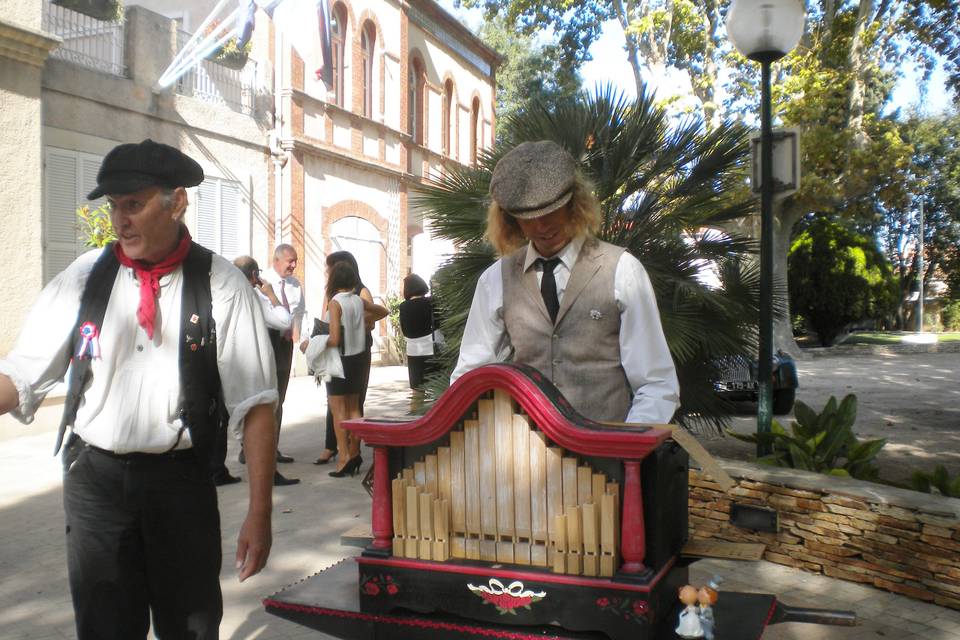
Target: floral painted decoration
point(507, 599)
point(636, 610)
point(375, 585)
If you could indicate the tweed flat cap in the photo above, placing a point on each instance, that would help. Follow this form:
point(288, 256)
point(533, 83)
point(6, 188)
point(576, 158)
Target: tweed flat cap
point(533, 179)
point(131, 167)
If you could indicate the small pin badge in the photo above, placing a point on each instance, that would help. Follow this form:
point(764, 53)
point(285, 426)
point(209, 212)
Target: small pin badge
point(595, 315)
point(194, 319)
point(193, 347)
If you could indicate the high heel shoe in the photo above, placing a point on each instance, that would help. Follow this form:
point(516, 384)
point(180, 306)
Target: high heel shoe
point(350, 468)
point(325, 460)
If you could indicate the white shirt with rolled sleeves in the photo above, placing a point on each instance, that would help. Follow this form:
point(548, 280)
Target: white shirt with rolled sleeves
point(644, 354)
point(294, 292)
point(133, 401)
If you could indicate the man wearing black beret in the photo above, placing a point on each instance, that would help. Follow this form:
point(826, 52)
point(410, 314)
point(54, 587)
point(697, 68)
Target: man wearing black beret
point(160, 336)
point(579, 310)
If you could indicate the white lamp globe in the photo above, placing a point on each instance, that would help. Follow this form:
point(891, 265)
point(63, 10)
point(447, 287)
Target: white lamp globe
point(765, 30)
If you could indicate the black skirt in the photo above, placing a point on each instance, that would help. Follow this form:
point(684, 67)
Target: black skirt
point(354, 370)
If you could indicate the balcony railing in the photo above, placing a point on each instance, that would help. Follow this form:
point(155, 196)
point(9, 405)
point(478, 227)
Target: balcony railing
point(92, 43)
point(217, 84)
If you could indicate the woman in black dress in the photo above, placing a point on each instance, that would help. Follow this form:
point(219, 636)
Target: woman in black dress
point(370, 320)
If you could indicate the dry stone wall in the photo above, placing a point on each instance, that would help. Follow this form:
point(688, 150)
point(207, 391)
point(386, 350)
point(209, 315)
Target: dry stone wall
point(898, 540)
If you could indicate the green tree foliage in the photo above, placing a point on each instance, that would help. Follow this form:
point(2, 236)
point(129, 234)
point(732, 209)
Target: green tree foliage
point(823, 442)
point(530, 72)
point(934, 178)
point(838, 277)
point(834, 85)
point(950, 317)
point(658, 34)
point(659, 185)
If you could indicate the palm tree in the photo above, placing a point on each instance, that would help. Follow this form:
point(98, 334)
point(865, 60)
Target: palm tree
point(665, 188)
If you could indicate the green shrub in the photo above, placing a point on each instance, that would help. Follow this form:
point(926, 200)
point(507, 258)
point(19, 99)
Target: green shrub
point(837, 277)
point(939, 480)
point(950, 316)
point(95, 226)
point(396, 335)
point(821, 442)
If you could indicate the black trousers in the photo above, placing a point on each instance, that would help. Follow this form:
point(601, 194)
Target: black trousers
point(218, 452)
point(418, 368)
point(283, 356)
point(143, 537)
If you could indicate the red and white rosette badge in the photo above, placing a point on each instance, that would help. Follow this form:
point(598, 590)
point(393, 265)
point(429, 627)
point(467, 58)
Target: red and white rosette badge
point(90, 345)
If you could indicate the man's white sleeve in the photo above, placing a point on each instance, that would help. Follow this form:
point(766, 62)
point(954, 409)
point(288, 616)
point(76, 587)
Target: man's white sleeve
point(485, 336)
point(41, 355)
point(643, 347)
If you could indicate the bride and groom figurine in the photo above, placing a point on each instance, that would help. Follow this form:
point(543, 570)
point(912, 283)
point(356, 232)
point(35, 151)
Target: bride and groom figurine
point(696, 618)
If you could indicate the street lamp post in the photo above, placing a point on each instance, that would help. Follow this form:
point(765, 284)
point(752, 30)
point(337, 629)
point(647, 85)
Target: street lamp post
point(764, 31)
point(920, 272)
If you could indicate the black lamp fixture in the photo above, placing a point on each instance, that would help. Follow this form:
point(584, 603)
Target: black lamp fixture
point(764, 31)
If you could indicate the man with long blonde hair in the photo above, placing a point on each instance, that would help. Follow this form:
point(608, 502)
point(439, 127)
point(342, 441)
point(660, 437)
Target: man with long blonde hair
point(581, 311)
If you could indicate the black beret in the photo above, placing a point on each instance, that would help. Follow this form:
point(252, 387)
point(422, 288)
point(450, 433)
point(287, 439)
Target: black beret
point(131, 167)
point(533, 179)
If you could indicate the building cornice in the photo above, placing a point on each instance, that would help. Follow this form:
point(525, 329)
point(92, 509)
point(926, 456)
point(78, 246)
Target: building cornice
point(435, 11)
point(26, 45)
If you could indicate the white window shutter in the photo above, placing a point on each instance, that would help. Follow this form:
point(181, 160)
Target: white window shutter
point(229, 219)
point(60, 212)
point(207, 215)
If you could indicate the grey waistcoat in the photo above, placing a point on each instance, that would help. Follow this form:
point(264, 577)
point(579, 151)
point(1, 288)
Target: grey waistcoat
point(580, 354)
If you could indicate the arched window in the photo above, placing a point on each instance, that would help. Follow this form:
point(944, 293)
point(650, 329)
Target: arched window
point(474, 130)
point(367, 40)
point(447, 117)
point(338, 30)
point(415, 86)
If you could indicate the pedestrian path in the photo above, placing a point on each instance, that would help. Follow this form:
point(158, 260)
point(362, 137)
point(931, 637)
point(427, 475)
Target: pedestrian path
point(308, 521)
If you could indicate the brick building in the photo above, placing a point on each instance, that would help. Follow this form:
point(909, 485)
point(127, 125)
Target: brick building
point(287, 158)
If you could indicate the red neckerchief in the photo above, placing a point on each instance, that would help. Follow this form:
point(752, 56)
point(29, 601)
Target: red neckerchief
point(149, 277)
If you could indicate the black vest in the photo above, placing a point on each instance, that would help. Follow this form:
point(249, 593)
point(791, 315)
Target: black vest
point(200, 397)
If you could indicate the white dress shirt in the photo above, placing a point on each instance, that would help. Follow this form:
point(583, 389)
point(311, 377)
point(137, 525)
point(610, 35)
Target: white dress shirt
point(644, 354)
point(277, 317)
point(290, 287)
point(132, 403)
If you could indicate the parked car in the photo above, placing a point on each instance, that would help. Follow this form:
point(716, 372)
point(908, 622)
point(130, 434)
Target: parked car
point(737, 381)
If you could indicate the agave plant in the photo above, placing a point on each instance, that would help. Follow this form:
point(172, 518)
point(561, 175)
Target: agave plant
point(665, 189)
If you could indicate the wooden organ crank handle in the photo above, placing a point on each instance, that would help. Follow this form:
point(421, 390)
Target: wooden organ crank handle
point(708, 464)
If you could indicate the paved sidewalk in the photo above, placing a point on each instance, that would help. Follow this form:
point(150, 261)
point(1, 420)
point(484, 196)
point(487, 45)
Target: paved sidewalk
point(308, 521)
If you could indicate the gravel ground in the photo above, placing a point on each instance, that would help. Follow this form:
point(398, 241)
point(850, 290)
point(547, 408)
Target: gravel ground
point(911, 399)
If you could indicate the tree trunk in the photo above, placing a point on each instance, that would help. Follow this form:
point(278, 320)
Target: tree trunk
point(633, 48)
point(705, 83)
point(784, 218)
point(857, 64)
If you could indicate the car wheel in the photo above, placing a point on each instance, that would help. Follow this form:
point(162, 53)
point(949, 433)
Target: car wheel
point(783, 401)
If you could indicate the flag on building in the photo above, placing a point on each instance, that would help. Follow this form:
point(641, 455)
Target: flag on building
point(305, 25)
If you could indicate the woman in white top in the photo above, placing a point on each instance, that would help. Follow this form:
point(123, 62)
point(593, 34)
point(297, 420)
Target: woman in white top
point(347, 331)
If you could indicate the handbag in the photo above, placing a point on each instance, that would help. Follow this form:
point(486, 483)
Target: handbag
point(320, 327)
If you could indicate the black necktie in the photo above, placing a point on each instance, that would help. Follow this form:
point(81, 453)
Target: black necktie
point(548, 286)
